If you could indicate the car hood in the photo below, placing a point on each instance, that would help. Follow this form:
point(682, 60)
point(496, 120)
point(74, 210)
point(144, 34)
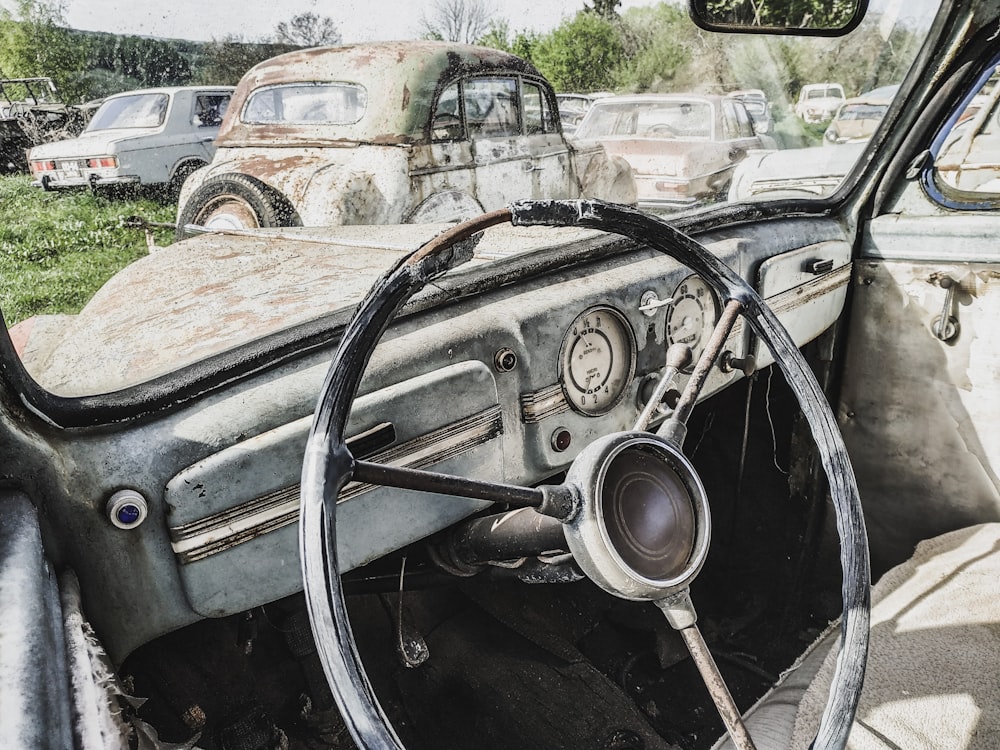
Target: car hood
point(88, 144)
point(215, 292)
point(669, 157)
point(813, 170)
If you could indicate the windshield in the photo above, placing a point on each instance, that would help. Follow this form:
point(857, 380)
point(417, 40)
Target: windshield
point(139, 111)
point(384, 115)
point(328, 103)
point(681, 118)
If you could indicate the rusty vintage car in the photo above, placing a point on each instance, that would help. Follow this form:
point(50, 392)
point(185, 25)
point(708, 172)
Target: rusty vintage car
point(568, 475)
point(682, 147)
point(32, 112)
point(388, 133)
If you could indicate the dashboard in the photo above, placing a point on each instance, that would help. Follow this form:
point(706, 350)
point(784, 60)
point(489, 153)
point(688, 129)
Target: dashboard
point(507, 385)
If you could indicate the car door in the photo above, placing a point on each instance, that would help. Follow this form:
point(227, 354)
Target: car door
point(924, 350)
point(502, 157)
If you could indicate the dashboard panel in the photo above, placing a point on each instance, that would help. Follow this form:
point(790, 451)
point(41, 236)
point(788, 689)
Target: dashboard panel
point(508, 386)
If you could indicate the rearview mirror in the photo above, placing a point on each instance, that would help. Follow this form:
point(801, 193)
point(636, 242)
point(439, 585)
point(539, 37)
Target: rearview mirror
point(806, 17)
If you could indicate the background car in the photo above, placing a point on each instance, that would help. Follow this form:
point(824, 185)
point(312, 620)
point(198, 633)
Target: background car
point(389, 133)
point(31, 112)
point(573, 107)
point(858, 116)
point(818, 102)
point(815, 171)
point(682, 147)
point(759, 108)
point(150, 137)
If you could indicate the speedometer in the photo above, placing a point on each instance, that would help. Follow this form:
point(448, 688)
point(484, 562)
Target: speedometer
point(693, 315)
point(597, 360)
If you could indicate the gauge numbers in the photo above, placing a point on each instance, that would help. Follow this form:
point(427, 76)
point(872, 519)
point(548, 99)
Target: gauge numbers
point(597, 360)
point(693, 315)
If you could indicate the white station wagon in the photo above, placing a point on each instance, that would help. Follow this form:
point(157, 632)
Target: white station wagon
point(155, 136)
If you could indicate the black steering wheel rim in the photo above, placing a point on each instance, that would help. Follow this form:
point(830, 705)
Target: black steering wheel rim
point(327, 463)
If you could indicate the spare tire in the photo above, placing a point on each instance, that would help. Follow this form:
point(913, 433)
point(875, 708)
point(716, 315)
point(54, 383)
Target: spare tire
point(236, 201)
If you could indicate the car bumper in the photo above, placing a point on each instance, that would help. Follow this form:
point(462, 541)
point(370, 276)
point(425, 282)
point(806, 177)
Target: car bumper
point(60, 181)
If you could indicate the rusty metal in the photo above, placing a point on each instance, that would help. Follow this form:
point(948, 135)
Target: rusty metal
point(721, 696)
point(429, 481)
point(701, 371)
point(678, 356)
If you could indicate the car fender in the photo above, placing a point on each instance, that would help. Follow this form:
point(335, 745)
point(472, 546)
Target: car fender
point(604, 176)
point(371, 187)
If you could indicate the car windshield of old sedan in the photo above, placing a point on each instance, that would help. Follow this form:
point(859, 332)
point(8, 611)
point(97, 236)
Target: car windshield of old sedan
point(139, 111)
point(328, 103)
point(676, 118)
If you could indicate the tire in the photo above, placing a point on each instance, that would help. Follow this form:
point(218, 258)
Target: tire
point(180, 174)
point(236, 201)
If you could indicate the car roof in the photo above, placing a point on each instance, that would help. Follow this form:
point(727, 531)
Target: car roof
point(646, 98)
point(401, 78)
point(168, 90)
point(881, 95)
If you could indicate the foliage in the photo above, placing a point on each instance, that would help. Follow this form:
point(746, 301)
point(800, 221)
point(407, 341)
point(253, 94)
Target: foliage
point(457, 20)
point(225, 61)
point(139, 61)
point(57, 249)
point(654, 50)
point(604, 8)
point(499, 37)
point(307, 30)
point(582, 54)
point(781, 13)
point(38, 44)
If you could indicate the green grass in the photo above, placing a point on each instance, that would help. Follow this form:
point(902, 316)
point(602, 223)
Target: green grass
point(58, 248)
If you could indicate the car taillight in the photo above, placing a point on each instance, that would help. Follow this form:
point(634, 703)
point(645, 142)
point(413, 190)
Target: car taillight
point(43, 166)
point(102, 161)
point(679, 189)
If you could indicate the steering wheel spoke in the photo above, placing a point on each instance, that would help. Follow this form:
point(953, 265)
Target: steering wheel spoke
point(401, 477)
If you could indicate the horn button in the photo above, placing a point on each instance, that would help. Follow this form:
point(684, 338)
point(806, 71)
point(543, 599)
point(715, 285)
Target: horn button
point(642, 531)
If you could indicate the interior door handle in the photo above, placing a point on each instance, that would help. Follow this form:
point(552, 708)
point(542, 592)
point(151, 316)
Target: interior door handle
point(945, 326)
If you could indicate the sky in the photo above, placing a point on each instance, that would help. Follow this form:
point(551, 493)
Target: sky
point(358, 20)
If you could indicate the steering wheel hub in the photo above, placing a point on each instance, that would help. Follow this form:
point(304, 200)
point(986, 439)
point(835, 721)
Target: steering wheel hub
point(643, 528)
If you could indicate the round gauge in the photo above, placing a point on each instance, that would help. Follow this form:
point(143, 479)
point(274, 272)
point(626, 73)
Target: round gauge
point(693, 315)
point(597, 360)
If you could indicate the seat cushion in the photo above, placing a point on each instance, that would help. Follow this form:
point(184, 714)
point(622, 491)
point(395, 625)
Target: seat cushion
point(933, 677)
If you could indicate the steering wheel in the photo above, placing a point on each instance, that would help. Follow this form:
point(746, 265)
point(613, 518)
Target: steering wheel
point(634, 512)
point(662, 130)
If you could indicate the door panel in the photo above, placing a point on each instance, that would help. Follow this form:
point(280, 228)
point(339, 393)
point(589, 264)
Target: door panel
point(919, 406)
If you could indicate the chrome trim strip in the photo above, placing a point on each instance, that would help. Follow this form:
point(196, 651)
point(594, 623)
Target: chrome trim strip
point(224, 530)
point(804, 293)
point(543, 403)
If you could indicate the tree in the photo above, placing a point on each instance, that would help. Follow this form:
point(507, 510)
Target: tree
point(36, 42)
point(781, 13)
point(307, 30)
point(457, 20)
point(582, 54)
point(224, 61)
point(604, 8)
point(499, 37)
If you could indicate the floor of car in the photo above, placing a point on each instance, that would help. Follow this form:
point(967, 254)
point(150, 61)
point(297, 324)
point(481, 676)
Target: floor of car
point(516, 665)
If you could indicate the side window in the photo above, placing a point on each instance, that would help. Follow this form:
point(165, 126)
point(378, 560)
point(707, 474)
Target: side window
point(537, 117)
point(743, 124)
point(209, 109)
point(968, 160)
point(730, 127)
point(446, 122)
point(491, 107)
